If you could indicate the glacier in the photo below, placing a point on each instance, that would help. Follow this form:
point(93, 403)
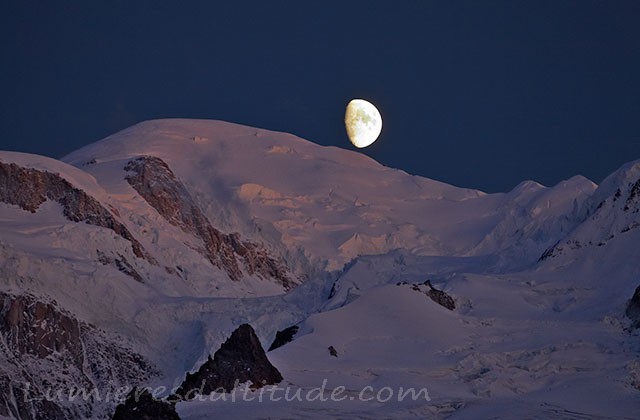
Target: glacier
point(159, 241)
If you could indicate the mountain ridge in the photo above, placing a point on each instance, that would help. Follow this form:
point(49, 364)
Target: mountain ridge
point(238, 225)
point(289, 204)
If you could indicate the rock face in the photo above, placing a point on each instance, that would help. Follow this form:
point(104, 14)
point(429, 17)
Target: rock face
point(283, 337)
point(38, 328)
point(19, 403)
point(152, 178)
point(49, 355)
point(239, 360)
point(633, 309)
point(631, 204)
point(140, 405)
point(29, 188)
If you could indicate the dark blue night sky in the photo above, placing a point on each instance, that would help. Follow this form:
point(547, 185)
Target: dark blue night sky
point(480, 94)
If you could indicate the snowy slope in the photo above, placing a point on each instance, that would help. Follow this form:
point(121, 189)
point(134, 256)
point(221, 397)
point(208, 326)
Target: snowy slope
point(238, 225)
point(612, 211)
point(506, 355)
point(549, 342)
point(286, 190)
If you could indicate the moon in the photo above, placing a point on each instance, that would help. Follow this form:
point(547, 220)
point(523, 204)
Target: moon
point(363, 122)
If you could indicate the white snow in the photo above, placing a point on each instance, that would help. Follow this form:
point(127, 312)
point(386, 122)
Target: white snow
point(286, 190)
point(528, 338)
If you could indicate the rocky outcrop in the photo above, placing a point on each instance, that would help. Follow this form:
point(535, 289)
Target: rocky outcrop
point(140, 405)
point(53, 366)
point(16, 402)
point(283, 337)
point(440, 297)
point(633, 309)
point(122, 264)
point(38, 328)
point(632, 199)
point(436, 295)
point(152, 178)
point(29, 188)
point(239, 360)
point(332, 351)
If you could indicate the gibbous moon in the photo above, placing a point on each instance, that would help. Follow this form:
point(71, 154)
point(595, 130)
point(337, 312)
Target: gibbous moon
point(363, 122)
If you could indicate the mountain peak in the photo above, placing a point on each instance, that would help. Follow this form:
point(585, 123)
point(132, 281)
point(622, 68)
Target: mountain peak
point(172, 233)
point(528, 185)
point(626, 175)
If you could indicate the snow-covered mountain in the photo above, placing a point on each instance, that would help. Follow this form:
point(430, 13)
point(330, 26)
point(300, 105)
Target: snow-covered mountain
point(133, 259)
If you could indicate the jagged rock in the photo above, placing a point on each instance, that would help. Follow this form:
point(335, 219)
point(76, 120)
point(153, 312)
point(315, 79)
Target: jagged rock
point(152, 178)
point(633, 309)
point(140, 405)
point(332, 351)
point(38, 328)
point(18, 403)
point(47, 351)
point(551, 252)
point(634, 192)
point(239, 360)
point(29, 188)
point(122, 264)
point(283, 337)
point(332, 292)
point(440, 297)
